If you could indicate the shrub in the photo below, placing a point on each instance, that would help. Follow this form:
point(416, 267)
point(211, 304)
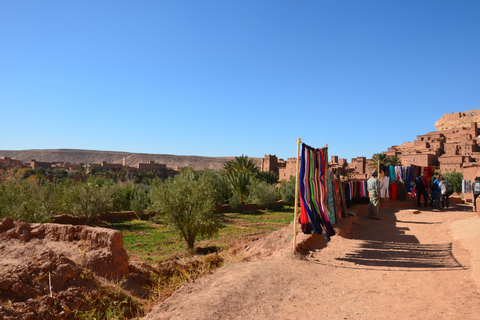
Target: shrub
point(89, 199)
point(140, 200)
point(287, 190)
point(122, 196)
point(29, 200)
point(265, 195)
point(454, 180)
point(186, 203)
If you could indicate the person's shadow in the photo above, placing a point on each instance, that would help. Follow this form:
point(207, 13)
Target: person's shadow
point(385, 244)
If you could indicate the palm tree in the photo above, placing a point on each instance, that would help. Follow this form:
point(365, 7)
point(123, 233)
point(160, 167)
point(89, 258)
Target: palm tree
point(379, 158)
point(394, 161)
point(239, 173)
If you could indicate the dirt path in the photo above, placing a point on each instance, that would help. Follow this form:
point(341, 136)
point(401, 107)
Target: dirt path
point(406, 266)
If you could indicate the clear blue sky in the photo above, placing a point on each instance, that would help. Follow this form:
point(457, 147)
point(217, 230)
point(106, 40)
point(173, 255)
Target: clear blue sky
point(226, 78)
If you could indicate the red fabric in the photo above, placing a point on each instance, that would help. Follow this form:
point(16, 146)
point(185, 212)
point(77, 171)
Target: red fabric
point(428, 171)
point(393, 191)
point(303, 217)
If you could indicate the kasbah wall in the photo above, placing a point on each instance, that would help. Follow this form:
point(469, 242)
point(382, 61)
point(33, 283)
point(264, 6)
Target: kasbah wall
point(454, 146)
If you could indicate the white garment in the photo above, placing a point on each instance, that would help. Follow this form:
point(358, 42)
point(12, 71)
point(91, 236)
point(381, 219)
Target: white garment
point(398, 173)
point(384, 184)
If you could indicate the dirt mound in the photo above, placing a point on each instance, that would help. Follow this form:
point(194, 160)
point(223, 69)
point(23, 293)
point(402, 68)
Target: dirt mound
point(46, 269)
point(280, 243)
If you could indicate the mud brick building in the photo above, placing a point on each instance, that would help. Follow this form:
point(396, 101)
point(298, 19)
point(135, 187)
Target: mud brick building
point(7, 163)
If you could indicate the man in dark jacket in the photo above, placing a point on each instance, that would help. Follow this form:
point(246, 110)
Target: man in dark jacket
point(476, 191)
point(421, 189)
point(431, 186)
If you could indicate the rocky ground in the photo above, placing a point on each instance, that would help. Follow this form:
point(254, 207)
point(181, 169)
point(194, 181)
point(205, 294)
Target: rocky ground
point(46, 270)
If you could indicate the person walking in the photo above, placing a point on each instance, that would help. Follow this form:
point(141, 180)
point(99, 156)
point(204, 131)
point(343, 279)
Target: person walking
point(374, 195)
point(431, 187)
point(421, 187)
point(476, 191)
point(444, 189)
point(437, 193)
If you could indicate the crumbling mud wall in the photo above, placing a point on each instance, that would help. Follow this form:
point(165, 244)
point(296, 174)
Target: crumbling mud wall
point(47, 269)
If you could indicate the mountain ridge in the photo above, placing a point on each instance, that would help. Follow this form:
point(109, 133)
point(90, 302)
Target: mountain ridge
point(131, 158)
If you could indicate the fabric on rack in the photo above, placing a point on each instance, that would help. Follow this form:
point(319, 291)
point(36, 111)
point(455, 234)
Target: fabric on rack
point(384, 186)
point(400, 191)
point(392, 173)
point(348, 200)
point(416, 170)
point(303, 218)
point(410, 175)
point(393, 193)
point(466, 186)
point(338, 198)
point(398, 173)
point(313, 192)
point(428, 173)
point(304, 195)
point(343, 203)
point(323, 158)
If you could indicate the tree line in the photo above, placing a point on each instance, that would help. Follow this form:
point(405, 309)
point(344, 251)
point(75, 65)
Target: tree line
point(185, 201)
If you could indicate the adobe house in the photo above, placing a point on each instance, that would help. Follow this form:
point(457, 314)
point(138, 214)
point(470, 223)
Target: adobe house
point(7, 162)
point(151, 166)
point(34, 164)
point(283, 168)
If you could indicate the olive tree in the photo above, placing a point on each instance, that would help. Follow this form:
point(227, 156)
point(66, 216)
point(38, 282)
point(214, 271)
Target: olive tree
point(186, 202)
point(265, 195)
point(31, 200)
point(89, 199)
point(454, 180)
point(287, 190)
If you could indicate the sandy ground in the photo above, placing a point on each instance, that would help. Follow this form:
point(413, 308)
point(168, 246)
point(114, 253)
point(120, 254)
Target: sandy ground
point(409, 265)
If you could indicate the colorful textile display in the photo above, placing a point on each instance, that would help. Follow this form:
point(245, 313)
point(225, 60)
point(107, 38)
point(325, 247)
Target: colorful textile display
point(356, 192)
point(466, 186)
point(409, 176)
point(313, 192)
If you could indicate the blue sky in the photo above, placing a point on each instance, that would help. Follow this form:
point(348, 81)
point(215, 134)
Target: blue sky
point(226, 78)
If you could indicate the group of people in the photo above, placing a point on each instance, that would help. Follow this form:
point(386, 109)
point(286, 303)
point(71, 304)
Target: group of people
point(438, 197)
point(440, 192)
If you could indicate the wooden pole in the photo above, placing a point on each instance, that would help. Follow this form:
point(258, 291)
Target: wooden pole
point(297, 184)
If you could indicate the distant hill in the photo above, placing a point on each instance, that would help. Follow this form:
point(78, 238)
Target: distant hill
point(132, 159)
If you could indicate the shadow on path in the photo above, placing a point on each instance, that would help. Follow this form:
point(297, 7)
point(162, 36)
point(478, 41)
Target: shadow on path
point(386, 244)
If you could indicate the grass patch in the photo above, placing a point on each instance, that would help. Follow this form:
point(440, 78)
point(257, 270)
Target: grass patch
point(149, 242)
point(162, 249)
point(146, 241)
